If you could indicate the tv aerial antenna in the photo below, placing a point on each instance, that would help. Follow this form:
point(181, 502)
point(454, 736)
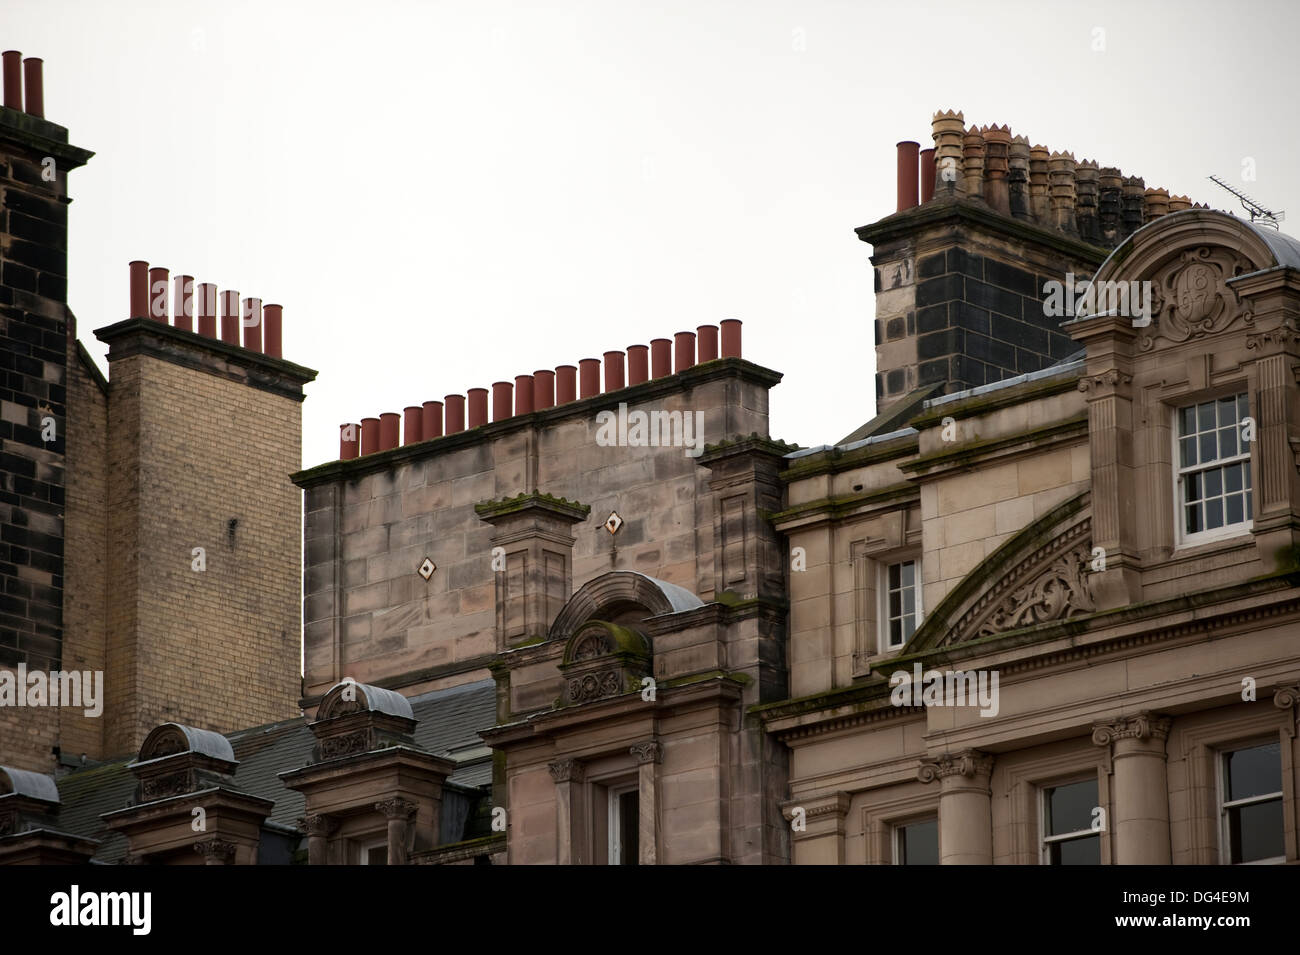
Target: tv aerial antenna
point(1257, 212)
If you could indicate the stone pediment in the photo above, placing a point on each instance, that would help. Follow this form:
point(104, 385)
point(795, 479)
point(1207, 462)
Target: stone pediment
point(1038, 576)
point(602, 660)
point(1181, 268)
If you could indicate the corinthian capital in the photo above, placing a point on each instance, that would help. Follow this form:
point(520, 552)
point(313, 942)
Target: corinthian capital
point(566, 770)
point(395, 807)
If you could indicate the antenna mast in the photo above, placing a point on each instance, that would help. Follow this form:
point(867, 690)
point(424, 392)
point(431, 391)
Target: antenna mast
point(1257, 212)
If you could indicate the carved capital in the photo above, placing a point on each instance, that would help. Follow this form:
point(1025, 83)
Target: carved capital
point(648, 752)
point(216, 851)
point(566, 770)
point(1141, 726)
point(1284, 338)
point(1105, 383)
point(969, 763)
point(395, 807)
point(1286, 697)
point(317, 824)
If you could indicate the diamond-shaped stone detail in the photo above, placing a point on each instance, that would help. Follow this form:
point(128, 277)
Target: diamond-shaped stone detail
point(427, 568)
point(613, 522)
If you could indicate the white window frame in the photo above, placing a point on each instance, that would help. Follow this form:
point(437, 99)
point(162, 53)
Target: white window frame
point(896, 840)
point(1181, 537)
point(363, 850)
point(1046, 841)
point(614, 838)
point(1221, 775)
point(882, 600)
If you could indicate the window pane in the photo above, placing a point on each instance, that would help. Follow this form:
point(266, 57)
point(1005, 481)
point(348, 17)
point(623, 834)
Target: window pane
point(1193, 484)
point(1069, 808)
point(1227, 442)
point(1186, 420)
point(1213, 513)
point(909, 570)
point(893, 576)
point(918, 844)
point(1232, 478)
point(1255, 831)
point(1256, 771)
point(909, 627)
point(1248, 502)
point(1193, 518)
point(896, 633)
point(909, 601)
point(1214, 482)
point(1208, 449)
point(895, 603)
point(1227, 411)
point(1243, 407)
point(1205, 416)
point(1187, 452)
point(1085, 851)
point(1245, 470)
point(1235, 509)
point(629, 828)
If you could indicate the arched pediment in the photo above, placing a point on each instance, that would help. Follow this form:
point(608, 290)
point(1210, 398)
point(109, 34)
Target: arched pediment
point(348, 696)
point(596, 639)
point(602, 660)
point(1038, 576)
point(615, 594)
point(168, 739)
point(1188, 258)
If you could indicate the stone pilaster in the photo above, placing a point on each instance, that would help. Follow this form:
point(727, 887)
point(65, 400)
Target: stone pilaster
point(648, 756)
point(1110, 426)
point(568, 775)
point(1140, 787)
point(399, 812)
point(965, 806)
point(318, 827)
point(821, 840)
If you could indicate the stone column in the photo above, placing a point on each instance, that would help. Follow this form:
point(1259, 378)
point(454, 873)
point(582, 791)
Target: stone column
point(1140, 788)
point(318, 828)
point(965, 806)
point(215, 851)
point(568, 775)
point(399, 813)
point(648, 756)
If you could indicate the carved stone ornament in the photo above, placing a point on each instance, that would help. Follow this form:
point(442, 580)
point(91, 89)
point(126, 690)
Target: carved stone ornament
point(333, 747)
point(647, 752)
point(1141, 726)
point(216, 849)
point(395, 807)
point(968, 764)
point(1286, 336)
point(1190, 298)
point(1056, 593)
point(317, 824)
point(166, 786)
point(566, 770)
point(593, 645)
point(1285, 697)
point(1110, 378)
point(593, 686)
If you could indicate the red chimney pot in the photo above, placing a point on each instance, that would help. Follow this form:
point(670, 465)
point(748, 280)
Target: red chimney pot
point(478, 407)
point(638, 364)
point(273, 323)
point(431, 427)
point(543, 389)
point(455, 411)
point(683, 351)
point(730, 337)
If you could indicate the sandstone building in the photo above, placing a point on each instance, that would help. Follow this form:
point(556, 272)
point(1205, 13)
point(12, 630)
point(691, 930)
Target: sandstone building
point(598, 615)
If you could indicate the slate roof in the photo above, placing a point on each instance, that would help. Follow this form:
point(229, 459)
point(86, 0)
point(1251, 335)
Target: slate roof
point(449, 720)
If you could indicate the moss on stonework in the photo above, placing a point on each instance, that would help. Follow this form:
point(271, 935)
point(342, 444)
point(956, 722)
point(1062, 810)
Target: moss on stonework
point(838, 506)
point(519, 502)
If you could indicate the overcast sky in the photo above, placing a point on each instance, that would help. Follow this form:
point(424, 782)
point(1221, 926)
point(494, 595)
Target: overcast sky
point(443, 195)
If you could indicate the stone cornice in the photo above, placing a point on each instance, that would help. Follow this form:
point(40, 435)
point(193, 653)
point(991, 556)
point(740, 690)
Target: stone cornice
point(1008, 397)
point(942, 210)
point(493, 511)
point(970, 453)
point(836, 461)
point(835, 508)
point(40, 135)
point(144, 336)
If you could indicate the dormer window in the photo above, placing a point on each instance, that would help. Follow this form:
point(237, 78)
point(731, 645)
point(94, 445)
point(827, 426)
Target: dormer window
point(1214, 480)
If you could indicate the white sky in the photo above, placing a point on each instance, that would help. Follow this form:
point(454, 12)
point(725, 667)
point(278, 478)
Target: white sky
point(443, 195)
